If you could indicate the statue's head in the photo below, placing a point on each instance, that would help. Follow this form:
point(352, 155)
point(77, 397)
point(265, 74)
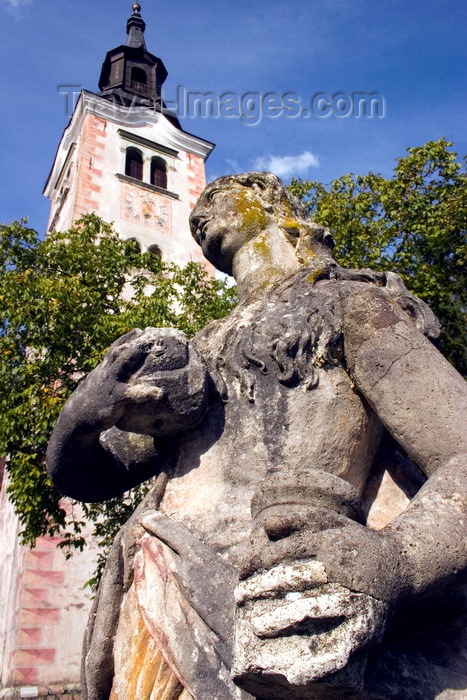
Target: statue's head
point(235, 209)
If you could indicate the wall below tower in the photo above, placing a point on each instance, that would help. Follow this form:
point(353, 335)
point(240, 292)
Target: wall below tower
point(44, 610)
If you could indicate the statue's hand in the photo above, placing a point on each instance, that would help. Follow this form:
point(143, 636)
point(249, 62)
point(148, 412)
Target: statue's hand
point(150, 382)
point(329, 591)
point(305, 629)
point(353, 555)
point(193, 563)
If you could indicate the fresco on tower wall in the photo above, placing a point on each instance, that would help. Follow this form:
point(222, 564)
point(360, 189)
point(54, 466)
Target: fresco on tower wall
point(147, 208)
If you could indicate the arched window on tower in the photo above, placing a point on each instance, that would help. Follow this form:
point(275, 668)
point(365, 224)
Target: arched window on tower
point(134, 163)
point(139, 79)
point(155, 250)
point(132, 246)
point(159, 172)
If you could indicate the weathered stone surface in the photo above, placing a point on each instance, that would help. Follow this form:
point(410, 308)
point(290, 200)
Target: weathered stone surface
point(150, 382)
point(276, 431)
point(143, 671)
point(166, 386)
point(98, 663)
point(304, 636)
point(52, 692)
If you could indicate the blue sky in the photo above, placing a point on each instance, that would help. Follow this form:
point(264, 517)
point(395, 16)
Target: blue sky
point(411, 53)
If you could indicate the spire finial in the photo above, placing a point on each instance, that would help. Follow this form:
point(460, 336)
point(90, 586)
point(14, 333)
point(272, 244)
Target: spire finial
point(135, 28)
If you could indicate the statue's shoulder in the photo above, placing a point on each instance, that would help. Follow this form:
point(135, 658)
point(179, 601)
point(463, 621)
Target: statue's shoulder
point(376, 299)
point(205, 337)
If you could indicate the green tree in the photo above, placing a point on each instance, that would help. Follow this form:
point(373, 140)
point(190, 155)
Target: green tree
point(414, 223)
point(61, 305)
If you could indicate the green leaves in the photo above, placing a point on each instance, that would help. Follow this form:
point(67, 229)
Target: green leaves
point(414, 223)
point(63, 300)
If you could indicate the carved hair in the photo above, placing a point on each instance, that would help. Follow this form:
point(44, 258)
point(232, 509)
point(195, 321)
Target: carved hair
point(290, 345)
point(294, 343)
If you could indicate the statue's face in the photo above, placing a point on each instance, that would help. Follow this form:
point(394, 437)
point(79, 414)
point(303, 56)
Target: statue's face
point(225, 218)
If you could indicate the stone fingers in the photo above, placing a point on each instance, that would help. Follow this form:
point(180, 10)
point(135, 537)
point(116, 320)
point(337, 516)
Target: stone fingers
point(265, 554)
point(169, 531)
point(329, 602)
point(142, 392)
point(282, 579)
point(190, 549)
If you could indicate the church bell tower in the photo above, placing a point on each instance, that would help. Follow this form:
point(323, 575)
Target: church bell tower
point(125, 156)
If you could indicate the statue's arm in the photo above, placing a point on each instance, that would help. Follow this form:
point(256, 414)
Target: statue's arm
point(78, 463)
point(150, 382)
point(422, 401)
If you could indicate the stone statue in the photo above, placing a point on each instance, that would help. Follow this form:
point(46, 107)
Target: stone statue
point(289, 548)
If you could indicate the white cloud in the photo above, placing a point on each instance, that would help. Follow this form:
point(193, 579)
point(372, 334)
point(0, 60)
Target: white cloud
point(15, 5)
point(233, 165)
point(287, 166)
